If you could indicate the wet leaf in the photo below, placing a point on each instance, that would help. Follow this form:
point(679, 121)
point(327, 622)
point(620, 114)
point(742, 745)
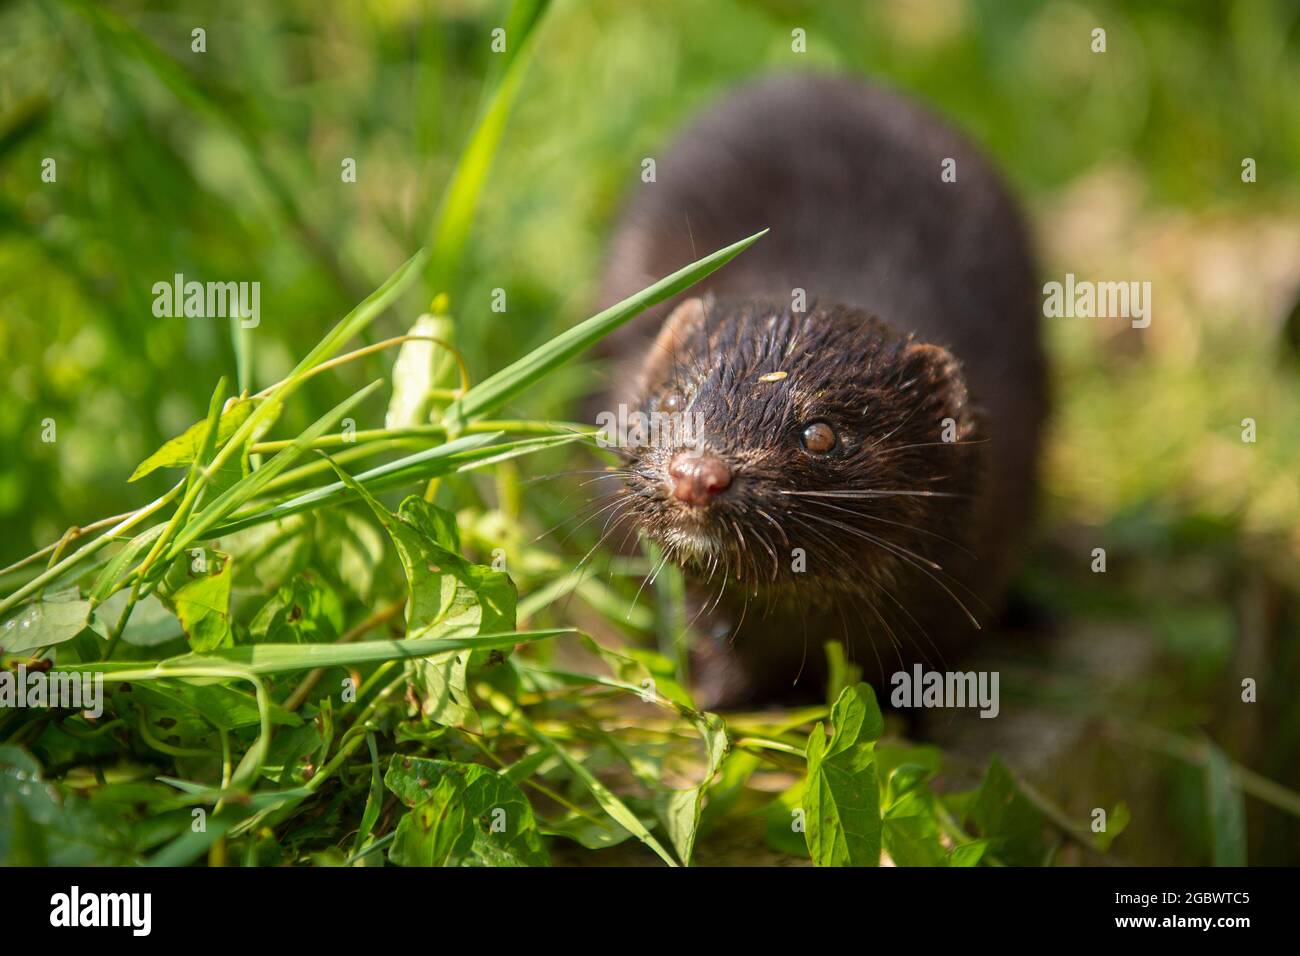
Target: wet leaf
point(43, 624)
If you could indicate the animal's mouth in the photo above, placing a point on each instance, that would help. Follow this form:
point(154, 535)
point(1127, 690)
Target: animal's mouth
point(691, 541)
point(684, 495)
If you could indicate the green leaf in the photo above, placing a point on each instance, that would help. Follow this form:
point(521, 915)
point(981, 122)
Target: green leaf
point(250, 485)
point(420, 365)
point(504, 829)
point(350, 547)
point(435, 832)
point(445, 589)
point(1005, 817)
point(841, 798)
point(43, 624)
point(451, 227)
point(374, 804)
point(968, 854)
point(259, 659)
point(607, 799)
point(1117, 821)
point(680, 809)
point(203, 606)
point(41, 826)
point(910, 832)
point(150, 623)
point(499, 388)
point(115, 570)
point(303, 611)
point(182, 449)
point(220, 704)
point(781, 817)
point(444, 459)
point(1225, 808)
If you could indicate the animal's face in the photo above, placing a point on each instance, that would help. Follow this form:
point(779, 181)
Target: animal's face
point(808, 450)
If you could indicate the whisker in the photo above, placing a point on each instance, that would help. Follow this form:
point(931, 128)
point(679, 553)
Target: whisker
point(907, 556)
point(907, 527)
point(865, 493)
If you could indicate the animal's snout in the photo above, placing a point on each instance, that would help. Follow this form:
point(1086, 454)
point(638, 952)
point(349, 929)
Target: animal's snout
point(698, 477)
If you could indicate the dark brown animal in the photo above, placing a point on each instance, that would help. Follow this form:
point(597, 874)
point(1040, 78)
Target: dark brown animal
point(867, 383)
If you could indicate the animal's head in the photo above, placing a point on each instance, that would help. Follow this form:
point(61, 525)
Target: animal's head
point(807, 451)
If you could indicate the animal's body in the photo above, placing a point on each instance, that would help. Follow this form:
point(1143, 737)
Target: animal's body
point(867, 380)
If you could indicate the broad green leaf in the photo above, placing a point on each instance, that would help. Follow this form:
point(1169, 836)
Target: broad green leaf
point(219, 704)
point(784, 820)
point(350, 548)
point(435, 832)
point(150, 623)
point(505, 831)
point(1007, 820)
point(841, 797)
point(203, 606)
point(499, 388)
point(445, 589)
point(41, 826)
point(270, 555)
point(43, 624)
point(182, 449)
point(910, 832)
point(968, 854)
point(303, 611)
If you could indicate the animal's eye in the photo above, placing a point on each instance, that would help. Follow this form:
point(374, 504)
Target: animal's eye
point(819, 438)
point(671, 401)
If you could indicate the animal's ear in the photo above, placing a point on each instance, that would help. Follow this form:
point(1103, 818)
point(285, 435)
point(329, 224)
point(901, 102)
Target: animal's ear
point(939, 383)
point(686, 321)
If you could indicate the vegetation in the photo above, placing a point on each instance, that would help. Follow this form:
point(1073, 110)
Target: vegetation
point(363, 616)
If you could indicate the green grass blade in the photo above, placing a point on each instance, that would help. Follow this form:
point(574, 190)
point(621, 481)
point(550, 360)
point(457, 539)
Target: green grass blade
point(261, 659)
point(248, 486)
point(496, 390)
point(463, 454)
point(451, 227)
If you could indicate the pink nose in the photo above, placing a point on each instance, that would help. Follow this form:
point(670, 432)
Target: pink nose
point(698, 477)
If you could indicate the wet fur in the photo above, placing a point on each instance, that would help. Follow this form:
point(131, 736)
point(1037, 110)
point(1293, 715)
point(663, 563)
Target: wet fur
point(921, 307)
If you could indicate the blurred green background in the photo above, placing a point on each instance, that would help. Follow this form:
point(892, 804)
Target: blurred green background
point(225, 165)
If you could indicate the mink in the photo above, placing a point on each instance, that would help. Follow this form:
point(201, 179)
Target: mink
point(862, 391)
